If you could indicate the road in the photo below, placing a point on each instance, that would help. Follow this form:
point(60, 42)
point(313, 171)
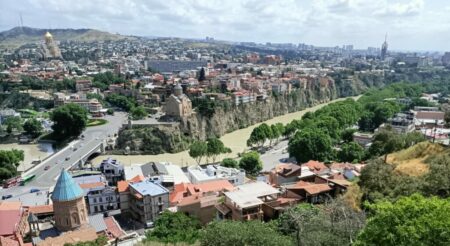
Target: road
point(64, 158)
point(276, 155)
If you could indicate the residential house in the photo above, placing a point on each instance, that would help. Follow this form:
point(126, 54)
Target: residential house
point(199, 200)
point(7, 113)
point(197, 174)
point(319, 190)
point(113, 170)
point(247, 201)
point(285, 173)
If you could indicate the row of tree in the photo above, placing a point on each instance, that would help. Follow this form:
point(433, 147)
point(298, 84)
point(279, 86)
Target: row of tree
point(263, 133)
point(211, 148)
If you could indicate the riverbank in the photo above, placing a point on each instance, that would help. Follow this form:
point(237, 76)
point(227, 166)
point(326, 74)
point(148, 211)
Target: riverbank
point(32, 152)
point(236, 141)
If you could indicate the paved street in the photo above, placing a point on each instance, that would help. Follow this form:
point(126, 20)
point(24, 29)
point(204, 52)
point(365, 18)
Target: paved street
point(275, 156)
point(65, 158)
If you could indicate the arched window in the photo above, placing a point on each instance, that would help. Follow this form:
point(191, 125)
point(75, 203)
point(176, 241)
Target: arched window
point(75, 218)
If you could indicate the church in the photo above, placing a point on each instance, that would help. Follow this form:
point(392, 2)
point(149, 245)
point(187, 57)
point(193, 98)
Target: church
point(178, 104)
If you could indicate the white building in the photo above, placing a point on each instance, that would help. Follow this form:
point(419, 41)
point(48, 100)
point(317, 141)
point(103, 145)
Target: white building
point(198, 174)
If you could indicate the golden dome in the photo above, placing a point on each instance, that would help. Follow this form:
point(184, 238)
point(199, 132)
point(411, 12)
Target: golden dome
point(48, 35)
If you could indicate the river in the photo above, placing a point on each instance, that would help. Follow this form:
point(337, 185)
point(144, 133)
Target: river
point(236, 141)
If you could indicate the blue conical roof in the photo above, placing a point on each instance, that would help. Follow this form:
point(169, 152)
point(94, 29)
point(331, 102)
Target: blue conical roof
point(66, 189)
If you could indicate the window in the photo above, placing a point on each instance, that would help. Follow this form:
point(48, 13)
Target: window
point(159, 199)
point(95, 200)
point(96, 208)
point(100, 199)
point(160, 208)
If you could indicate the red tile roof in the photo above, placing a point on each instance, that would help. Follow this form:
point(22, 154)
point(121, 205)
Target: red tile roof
point(198, 189)
point(138, 178)
point(122, 186)
point(92, 185)
point(113, 227)
point(41, 209)
point(315, 166)
point(10, 215)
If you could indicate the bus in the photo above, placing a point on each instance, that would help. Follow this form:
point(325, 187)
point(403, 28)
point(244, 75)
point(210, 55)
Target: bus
point(12, 182)
point(27, 179)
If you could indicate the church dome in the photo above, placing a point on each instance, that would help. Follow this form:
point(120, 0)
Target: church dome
point(48, 35)
point(66, 189)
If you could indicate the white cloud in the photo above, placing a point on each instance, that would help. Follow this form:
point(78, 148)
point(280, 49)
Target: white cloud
point(410, 24)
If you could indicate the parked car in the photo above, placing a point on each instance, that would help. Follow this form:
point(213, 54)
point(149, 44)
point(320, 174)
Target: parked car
point(46, 168)
point(67, 158)
point(6, 197)
point(34, 190)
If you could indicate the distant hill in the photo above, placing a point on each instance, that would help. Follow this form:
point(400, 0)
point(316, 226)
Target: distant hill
point(18, 36)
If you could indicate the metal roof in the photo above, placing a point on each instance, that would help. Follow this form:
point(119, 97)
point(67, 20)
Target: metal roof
point(97, 222)
point(66, 189)
point(149, 188)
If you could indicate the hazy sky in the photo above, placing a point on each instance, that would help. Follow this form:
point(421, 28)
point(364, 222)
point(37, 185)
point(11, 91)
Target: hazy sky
point(411, 25)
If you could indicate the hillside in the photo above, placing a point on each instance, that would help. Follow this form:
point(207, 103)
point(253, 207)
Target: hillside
point(413, 160)
point(17, 36)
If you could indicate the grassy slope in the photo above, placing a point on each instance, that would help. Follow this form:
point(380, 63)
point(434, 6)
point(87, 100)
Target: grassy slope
point(412, 161)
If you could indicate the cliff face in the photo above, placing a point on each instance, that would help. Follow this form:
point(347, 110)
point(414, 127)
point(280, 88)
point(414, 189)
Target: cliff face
point(154, 140)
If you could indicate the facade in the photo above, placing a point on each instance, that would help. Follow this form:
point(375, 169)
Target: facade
point(101, 198)
point(68, 204)
point(197, 174)
point(243, 97)
point(178, 104)
point(363, 139)
point(113, 170)
point(83, 85)
point(7, 113)
point(148, 200)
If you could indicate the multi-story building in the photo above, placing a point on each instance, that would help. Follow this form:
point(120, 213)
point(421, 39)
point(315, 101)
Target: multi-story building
point(113, 170)
point(243, 97)
point(197, 174)
point(99, 196)
point(402, 122)
point(83, 85)
point(148, 200)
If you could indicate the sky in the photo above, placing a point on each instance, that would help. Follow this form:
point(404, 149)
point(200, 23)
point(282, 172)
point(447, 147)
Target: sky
point(410, 25)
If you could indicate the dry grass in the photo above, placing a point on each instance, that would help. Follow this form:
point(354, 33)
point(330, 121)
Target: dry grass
point(353, 196)
point(411, 161)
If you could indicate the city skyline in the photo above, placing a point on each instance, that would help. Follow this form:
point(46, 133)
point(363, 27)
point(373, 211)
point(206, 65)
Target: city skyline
point(412, 25)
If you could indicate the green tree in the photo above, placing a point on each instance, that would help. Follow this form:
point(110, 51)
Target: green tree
point(251, 233)
point(9, 161)
point(275, 133)
point(251, 163)
point(377, 180)
point(310, 144)
point(69, 120)
point(413, 220)
point(258, 136)
point(347, 135)
point(229, 162)
point(174, 228)
point(198, 150)
point(215, 147)
point(437, 180)
point(351, 152)
point(33, 127)
point(138, 113)
point(12, 123)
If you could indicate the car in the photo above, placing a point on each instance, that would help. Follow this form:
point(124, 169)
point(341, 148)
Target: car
point(75, 149)
point(34, 190)
point(67, 158)
point(46, 168)
point(6, 197)
point(149, 224)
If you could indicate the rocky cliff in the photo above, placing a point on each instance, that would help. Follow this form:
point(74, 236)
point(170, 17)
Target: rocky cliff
point(160, 139)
